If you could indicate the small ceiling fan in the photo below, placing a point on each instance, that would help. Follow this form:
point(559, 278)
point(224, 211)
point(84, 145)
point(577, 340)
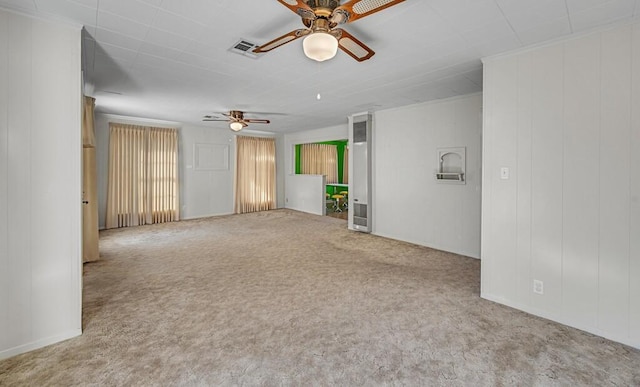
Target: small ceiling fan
point(236, 120)
point(321, 17)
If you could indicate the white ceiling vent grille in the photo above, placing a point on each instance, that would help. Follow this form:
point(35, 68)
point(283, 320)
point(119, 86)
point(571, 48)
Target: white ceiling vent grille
point(244, 48)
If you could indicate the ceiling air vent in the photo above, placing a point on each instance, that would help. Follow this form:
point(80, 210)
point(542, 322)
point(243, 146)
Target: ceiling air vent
point(244, 48)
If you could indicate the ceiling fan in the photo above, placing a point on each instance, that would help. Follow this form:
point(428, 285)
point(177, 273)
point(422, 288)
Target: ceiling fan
point(321, 17)
point(236, 120)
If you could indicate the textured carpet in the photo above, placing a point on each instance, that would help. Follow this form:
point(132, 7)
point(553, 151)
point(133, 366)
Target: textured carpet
point(285, 298)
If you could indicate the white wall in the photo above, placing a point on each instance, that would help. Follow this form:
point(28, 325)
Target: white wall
point(565, 118)
point(306, 193)
point(408, 203)
point(280, 171)
point(40, 183)
point(206, 188)
point(206, 192)
point(332, 133)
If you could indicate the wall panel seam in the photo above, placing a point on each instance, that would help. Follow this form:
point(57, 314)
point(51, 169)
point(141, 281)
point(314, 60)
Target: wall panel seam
point(632, 95)
point(599, 182)
point(562, 172)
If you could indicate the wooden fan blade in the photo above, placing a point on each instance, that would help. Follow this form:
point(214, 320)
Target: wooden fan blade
point(265, 113)
point(299, 7)
point(215, 119)
point(256, 121)
point(352, 46)
point(284, 39)
point(357, 9)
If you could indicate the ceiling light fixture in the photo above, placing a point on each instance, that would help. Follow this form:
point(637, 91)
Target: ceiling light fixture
point(320, 46)
point(236, 126)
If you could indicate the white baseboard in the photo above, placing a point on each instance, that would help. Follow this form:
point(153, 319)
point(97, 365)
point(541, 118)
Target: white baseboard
point(192, 217)
point(626, 340)
point(7, 353)
point(206, 216)
point(431, 246)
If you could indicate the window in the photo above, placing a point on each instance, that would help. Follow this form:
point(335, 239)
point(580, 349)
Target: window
point(255, 188)
point(320, 159)
point(143, 175)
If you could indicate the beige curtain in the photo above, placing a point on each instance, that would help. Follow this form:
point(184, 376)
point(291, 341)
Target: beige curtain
point(88, 127)
point(143, 176)
point(345, 166)
point(320, 159)
point(163, 175)
point(255, 179)
point(90, 250)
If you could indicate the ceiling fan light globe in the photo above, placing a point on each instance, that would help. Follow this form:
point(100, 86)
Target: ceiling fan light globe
point(320, 46)
point(235, 126)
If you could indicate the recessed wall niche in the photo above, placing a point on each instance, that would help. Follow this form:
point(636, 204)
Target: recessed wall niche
point(451, 165)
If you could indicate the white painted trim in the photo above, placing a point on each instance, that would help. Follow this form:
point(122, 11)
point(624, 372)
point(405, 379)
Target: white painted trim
point(39, 344)
point(139, 120)
point(207, 216)
point(428, 103)
point(431, 246)
point(201, 147)
point(45, 17)
point(591, 330)
point(175, 124)
point(563, 39)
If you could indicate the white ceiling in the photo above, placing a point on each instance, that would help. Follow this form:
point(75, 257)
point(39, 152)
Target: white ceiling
point(170, 59)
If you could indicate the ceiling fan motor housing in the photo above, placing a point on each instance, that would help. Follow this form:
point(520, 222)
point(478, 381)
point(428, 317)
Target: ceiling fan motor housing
point(325, 16)
point(323, 7)
point(236, 114)
point(321, 17)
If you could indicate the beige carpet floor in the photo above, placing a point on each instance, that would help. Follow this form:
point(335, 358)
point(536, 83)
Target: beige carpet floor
point(285, 298)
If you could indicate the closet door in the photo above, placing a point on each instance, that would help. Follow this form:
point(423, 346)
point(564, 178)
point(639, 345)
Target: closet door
point(89, 184)
point(89, 206)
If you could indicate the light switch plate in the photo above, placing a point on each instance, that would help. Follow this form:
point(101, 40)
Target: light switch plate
point(538, 287)
point(504, 173)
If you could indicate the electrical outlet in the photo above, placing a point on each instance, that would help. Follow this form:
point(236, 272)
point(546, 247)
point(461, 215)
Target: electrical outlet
point(538, 287)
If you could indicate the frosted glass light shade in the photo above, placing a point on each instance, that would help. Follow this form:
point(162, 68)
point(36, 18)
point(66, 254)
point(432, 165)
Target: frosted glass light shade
point(235, 126)
point(320, 46)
